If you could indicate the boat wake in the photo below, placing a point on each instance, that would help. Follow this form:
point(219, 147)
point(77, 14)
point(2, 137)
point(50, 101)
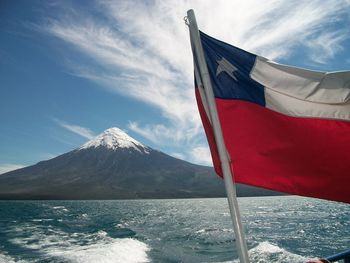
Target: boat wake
point(59, 246)
point(114, 250)
point(266, 252)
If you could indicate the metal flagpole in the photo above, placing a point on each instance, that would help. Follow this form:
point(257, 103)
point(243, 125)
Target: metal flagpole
point(197, 50)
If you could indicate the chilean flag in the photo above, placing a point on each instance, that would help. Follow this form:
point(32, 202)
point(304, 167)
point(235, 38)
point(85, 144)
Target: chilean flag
point(286, 129)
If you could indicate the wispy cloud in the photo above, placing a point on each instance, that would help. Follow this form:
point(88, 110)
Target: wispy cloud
point(201, 154)
point(7, 167)
point(178, 156)
point(79, 130)
point(159, 133)
point(328, 45)
point(48, 156)
point(142, 50)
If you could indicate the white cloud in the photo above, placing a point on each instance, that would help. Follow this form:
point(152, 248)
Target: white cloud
point(48, 156)
point(328, 45)
point(159, 133)
point(7, 167)
point(142, 50)
point(82, 131)
point(201, 154)
point(178, 156)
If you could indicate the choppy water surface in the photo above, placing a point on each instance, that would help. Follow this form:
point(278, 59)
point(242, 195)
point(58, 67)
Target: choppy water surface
point(279, 229)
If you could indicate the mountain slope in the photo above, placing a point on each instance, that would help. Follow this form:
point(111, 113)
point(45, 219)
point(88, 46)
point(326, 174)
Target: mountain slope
point(114, 166)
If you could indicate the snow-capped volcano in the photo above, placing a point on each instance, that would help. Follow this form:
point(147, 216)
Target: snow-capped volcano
point(113, 166)
point(113, 139)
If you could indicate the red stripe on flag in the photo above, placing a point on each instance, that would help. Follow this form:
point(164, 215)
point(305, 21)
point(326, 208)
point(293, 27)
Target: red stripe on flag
point(210, 135)
point(302, 156)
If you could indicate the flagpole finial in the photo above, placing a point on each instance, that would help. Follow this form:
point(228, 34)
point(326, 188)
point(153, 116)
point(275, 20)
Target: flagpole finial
point(190, 17)
point(187, 22)
point(190, 11)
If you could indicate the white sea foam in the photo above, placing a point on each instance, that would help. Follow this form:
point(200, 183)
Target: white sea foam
point(8, 259)
point(209, 230)
point(42, 220)
point(266, 252)
point(58, 207)
point(122, 225)
point(124, 250)
point(266, 247)
point(81, 247)
point(200, 231)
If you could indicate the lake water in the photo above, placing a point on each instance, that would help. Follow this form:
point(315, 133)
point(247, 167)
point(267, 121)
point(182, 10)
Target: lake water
point(278, 229)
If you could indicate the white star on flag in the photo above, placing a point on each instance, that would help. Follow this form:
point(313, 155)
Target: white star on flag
point(225, 66)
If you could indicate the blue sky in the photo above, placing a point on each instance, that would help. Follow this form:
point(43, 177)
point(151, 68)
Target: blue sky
point(71, 69)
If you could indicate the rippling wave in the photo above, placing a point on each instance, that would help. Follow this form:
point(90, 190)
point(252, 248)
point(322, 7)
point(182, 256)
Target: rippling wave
point(278, 229)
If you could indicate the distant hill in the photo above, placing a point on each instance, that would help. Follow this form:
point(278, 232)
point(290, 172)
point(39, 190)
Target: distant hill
point(115, 166)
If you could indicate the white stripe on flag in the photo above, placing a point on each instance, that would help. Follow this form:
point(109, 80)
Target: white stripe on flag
point(299, 108)
point(304, 93)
